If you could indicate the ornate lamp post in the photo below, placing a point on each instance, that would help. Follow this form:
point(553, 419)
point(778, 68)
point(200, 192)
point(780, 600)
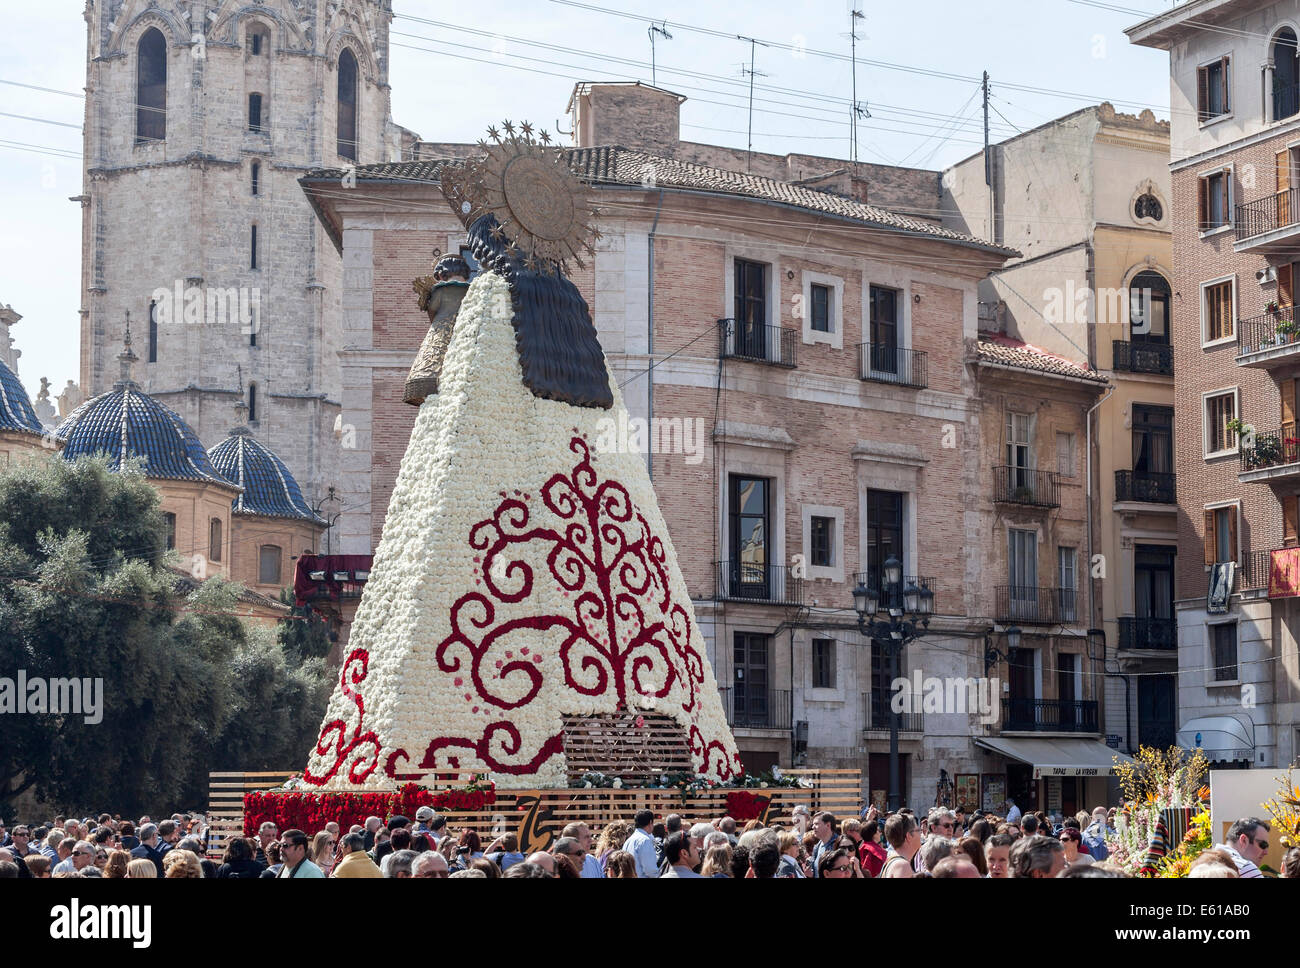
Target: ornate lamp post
point(906, 617)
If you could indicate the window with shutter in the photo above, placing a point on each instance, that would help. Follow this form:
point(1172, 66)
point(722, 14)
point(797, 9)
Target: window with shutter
point(1219, 411)
point(1285, 285)
point(1208, 537)
point(1218, 311)
point(1290, 519)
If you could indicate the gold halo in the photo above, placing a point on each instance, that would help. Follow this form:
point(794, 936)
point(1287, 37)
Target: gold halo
point(542, 208)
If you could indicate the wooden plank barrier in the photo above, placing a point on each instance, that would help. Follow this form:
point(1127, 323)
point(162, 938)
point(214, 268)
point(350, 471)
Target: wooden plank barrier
point(537, 816)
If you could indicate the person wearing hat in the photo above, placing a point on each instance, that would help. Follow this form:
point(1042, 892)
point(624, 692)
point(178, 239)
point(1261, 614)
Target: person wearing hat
point(425, 818)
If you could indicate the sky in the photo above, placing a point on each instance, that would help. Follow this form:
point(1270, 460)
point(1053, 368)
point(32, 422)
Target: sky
point(456, 68)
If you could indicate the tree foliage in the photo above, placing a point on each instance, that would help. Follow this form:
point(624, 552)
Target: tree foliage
point(88, 590)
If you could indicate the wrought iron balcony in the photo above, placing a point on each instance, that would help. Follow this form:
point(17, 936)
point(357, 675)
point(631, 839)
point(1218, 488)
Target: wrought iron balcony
point(1140, 357)
point(747, 581)
point(1148, 633)
point(1149, 486)
point(883, 363)
point(1030, 605)
point(1022, 485)
point(756, 708)
point(1258, 223)
point(757, 343)
point(1274, 451)
point(1049, 715)
point(877, 716)
point(1269, 340)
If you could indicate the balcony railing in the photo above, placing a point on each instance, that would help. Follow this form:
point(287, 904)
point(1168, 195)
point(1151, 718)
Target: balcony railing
point(1269, 331)
point(1272, 448)
point(877, 716)
point(757, 343)
point(1049, 715)
point(883, 363)
point(1022, 485)
point(747, 581)
point(1030, 605)
point(1266, 214)
point(872, 581)
point(1254, 570)
point(1150, 486)
point(1138, 357)
point(330, 577)
point(756, 708)
point(1148, 633)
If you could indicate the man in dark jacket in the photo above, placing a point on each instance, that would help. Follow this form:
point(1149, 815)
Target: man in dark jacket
point(148, 848)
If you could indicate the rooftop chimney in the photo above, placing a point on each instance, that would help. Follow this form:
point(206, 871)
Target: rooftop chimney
point(630, 114)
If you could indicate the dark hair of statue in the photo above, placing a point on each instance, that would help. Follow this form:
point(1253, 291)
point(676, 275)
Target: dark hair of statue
point(559, 352)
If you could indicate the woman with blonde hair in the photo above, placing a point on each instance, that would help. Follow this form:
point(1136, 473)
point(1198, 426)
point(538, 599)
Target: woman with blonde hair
point(620, 863)
point(717, 862)
point(791, 847)
point(141, 867)
point(117, 861)
point(612, 837)
point(321, 852)
point(181, 864)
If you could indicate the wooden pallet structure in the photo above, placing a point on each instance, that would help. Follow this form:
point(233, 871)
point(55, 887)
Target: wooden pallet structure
point(538, 816)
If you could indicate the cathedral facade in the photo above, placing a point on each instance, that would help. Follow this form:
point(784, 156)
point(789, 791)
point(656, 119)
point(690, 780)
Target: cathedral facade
point(200, 119)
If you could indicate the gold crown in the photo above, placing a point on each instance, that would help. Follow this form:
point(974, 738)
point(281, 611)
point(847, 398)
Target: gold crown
point(543, 212)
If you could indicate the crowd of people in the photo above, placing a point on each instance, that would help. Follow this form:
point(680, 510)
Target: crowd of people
point(940, 843)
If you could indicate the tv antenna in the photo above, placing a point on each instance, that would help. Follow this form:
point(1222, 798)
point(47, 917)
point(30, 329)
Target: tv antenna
point(753, 44)
point(857, 109)
point(662, 31)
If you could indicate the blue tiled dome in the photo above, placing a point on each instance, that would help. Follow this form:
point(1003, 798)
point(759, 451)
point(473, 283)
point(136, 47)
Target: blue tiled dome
point(269, 488)
point(16, 411)
point(126, 422)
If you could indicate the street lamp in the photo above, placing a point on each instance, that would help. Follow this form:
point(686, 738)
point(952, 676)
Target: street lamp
point(908, 612)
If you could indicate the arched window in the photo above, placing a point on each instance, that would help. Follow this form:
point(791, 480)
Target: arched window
point(252, 401)
point(169, 520)
point(252, 248)
point(1149, 308)
point(347, 105)
point(151, 87)
point(257, 178)
point(268, 564)
point(258, 40)
point(1286, 75)
point(153, 331)
point(214, 540)
point(255, 113)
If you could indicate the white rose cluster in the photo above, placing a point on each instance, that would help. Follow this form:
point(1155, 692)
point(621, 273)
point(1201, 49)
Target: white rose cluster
point(483, 443)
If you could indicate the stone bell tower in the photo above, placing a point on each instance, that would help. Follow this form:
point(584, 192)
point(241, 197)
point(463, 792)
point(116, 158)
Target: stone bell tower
point(201, 116)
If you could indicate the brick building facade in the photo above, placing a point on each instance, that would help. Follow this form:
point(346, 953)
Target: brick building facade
point(844, 401)
point(1235, 101)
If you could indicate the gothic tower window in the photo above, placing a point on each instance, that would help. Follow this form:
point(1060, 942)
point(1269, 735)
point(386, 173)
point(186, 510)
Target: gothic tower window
point(151, 87)
point(347, 133)
point(252, 248)
point(255, 113)
point(258, 40)
point(153, 331)
point(257, 178)
point(252, 402)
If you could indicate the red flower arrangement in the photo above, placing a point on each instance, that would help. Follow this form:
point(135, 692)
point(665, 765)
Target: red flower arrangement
point(744, 806)
point(310, 812)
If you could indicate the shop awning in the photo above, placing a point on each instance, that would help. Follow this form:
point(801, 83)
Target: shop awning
point(1057, 757)
point(1221, 737)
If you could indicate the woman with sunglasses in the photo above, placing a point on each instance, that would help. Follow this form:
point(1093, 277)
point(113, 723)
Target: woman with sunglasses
point(1072, 841)
point(838, 863)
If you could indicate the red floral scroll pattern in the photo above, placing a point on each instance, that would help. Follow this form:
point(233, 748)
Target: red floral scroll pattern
point(335, 732)
point(605, 558)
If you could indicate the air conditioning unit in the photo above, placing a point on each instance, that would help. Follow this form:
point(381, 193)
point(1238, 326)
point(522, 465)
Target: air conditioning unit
point(1266, 275)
